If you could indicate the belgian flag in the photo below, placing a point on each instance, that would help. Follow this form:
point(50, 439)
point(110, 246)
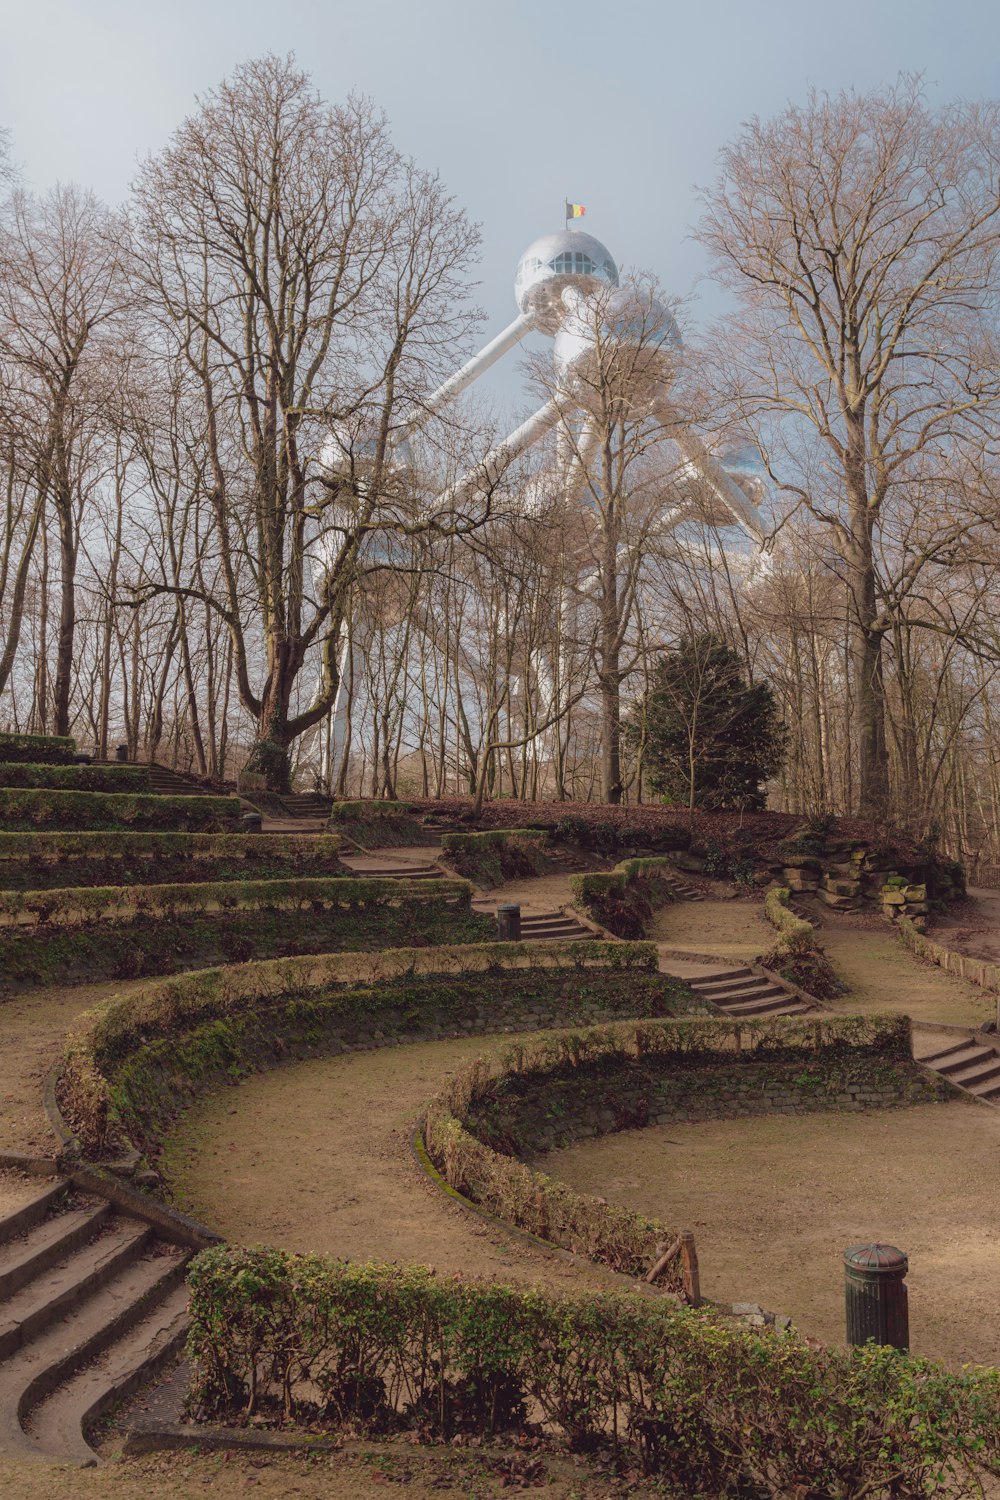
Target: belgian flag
point(574, 211)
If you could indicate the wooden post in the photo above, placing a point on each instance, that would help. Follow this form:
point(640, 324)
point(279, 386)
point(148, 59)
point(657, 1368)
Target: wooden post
point(689, 1268)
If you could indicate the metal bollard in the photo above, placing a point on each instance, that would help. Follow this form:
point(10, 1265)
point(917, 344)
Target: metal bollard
point(251, 822)
point(509, 924)
point(875, 1296)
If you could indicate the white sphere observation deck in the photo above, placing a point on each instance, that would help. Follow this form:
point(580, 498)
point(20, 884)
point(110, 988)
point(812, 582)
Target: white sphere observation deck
point(550, 264)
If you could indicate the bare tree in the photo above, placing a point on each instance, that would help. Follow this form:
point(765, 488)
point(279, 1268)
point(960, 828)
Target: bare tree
point(861, 236)
point(313, 279)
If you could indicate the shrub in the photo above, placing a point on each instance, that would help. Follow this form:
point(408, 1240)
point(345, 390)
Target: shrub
point(496, 856)
point(619, 1238)
point(125, 1058)
point(623, 900)
point(52, 749)
point(710, 1407)
point(117, 933)
point(43, 809)
point(75, 778)
point(33, 861)
point(375, 824)
point(795, 956)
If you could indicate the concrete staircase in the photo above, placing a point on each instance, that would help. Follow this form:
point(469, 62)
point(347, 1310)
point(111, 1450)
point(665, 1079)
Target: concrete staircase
point(971, 1065)
point(169, 783)
point(553, 927)
point(740, 992)
point(306, 804)
point(683, 890)
point(383, 870)
point(92, 1304)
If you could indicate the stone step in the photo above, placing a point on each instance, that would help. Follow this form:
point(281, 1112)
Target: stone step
point(763, 989)
point(970, 1066)
point(397, 872)
point(32, 1212)
point(33, 1372)
point(61, 1423)
point(47, 1243)
point(54, 1292)
point(983, 1071)
point(780, 1005)
point(956, 1058)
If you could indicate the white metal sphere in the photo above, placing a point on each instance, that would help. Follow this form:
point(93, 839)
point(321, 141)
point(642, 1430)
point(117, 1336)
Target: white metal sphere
point(567, 258)
point(625, 317)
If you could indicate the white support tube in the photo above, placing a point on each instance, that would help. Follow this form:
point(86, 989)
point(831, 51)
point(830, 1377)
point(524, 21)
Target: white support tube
point(504, 454)
point(468, 374)
point(714, 476)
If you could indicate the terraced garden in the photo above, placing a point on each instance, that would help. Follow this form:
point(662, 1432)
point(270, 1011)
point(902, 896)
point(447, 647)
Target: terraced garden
point(326, 1051)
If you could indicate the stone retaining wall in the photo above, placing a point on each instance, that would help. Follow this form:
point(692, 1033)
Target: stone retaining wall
point(545, 1113)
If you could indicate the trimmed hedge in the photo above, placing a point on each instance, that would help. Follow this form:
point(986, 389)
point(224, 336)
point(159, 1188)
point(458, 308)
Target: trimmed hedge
point(161, 929)
point(623, 899)
point(24, 809)
point(70, 906)
point(132, 1062)
point(33, 861)
point(498, 855)
point(711, 1407)
point(75, 778)
point(375, 824)
point(346, 812)
point(471, 843)
point(794, 935)
point(52, 749)
point(615, 1237)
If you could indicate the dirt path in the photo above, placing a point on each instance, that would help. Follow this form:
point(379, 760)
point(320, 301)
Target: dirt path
point(361, 1471)
point(727, 929)
point(316, 1157)
point(775, 1201)
point(883, 975)
point(33, 1028)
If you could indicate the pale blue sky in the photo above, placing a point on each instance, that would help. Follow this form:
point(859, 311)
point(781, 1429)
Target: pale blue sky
point(518, 104)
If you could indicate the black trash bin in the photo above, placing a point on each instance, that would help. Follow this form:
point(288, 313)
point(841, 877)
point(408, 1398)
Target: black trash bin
point(251, 822)
point(509, 923)
point(875, 1295)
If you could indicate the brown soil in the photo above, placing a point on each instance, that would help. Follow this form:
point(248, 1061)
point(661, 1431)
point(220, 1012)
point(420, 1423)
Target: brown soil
point(972, 926)
point(730, 929)
point(775, 1201)
point(883, 975)
point(316, 1157)
point(33, 1030)
point(362, 1471)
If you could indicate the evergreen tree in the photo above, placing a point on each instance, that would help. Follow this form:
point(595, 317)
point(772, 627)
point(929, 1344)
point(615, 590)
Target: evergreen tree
point(709, 738)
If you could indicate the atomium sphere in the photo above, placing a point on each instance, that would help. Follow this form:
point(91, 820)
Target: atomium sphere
point(624, 333)
point(567, 258)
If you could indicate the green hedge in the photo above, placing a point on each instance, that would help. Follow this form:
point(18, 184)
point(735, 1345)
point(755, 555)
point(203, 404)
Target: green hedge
point(33, 861)
point(132, 1062)
point(346, 812)
point(72, 905)
point(795, 935)
point(23, 809)
point(375, 824)
point(623, 899)
point(471, 843)
point(618, 1238)
point(76, 778)
point(710, 1407)
point(497, 856)
point(122, 933)
point(52, 749)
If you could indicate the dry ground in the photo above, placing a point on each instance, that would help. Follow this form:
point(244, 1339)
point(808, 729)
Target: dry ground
point(775, 1201)
point(316, 1157)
